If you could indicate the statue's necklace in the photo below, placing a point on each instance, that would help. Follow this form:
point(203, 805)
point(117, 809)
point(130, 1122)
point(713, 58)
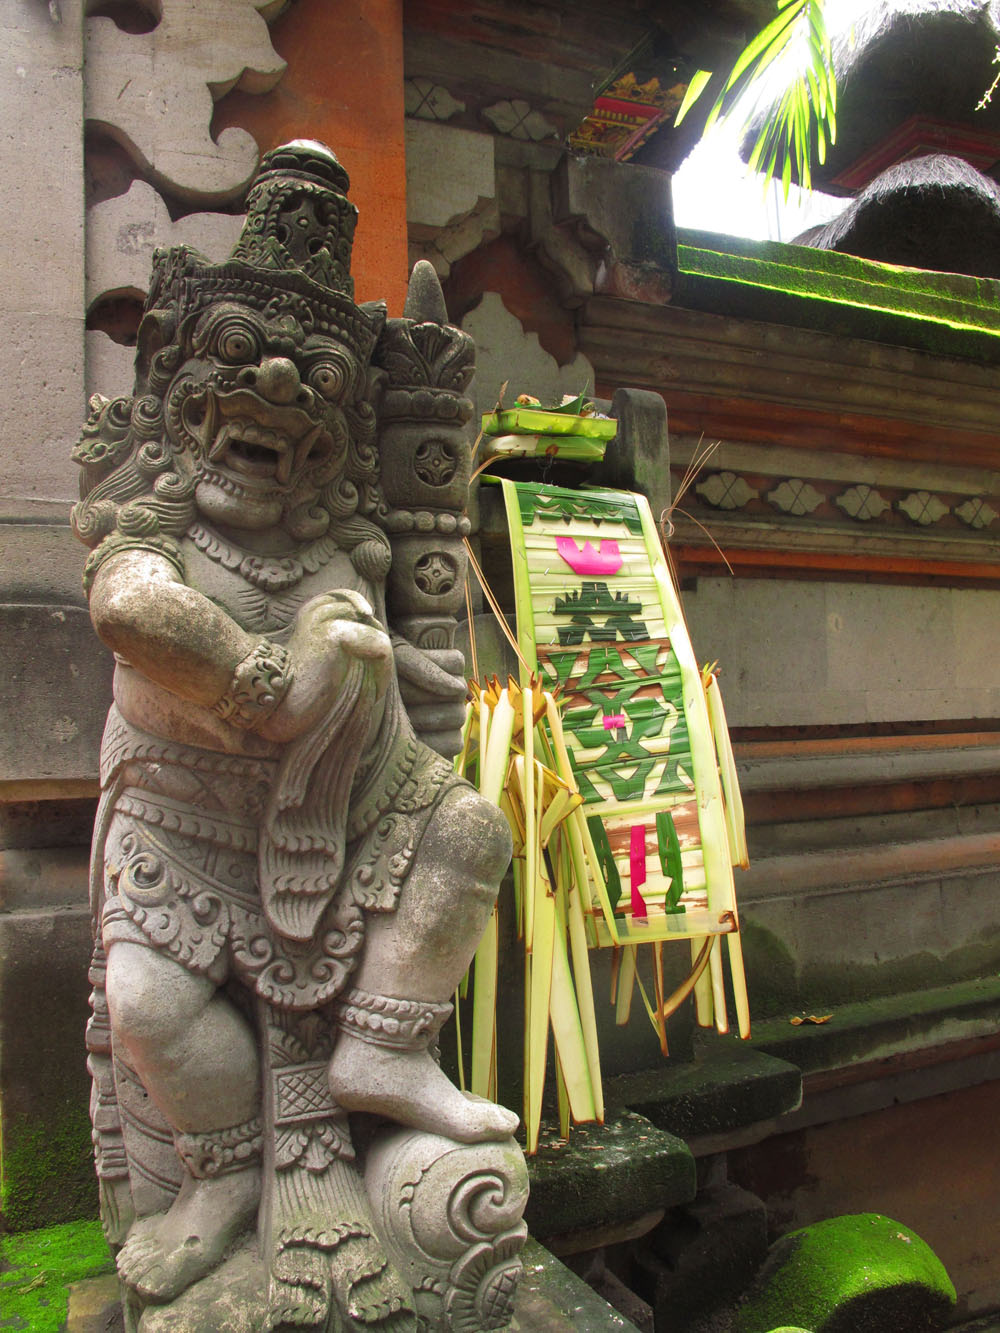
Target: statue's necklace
point(268, 572)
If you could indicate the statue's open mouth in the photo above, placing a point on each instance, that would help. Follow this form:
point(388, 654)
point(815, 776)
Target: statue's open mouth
point(258, 441)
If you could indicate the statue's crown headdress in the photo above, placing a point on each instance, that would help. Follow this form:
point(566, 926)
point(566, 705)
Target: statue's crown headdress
point(293, 256)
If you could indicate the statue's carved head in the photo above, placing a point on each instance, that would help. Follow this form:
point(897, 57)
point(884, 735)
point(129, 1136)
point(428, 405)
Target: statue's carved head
point(253, 396)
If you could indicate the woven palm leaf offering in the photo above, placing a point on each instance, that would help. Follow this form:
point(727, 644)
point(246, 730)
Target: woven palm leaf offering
point(572, 430)
point(610, 756)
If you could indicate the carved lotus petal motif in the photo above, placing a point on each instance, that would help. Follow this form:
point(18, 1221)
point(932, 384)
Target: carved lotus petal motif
point(795, 496)
point(862, 502)
point(976, 512)
point(725, 490)
point(923, 508)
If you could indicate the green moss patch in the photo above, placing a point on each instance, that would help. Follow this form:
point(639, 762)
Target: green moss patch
point(863, 1273)
point(47, 1171)
point(37, 1268)
point(836, 292)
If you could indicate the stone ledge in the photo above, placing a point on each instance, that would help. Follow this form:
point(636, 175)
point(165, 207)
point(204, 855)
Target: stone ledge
point(877, 1029)
point(729, 1087)
point(606, 1174)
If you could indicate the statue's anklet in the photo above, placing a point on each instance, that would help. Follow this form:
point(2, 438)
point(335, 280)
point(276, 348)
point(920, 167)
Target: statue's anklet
point(216, 1152)
point(383, 1020)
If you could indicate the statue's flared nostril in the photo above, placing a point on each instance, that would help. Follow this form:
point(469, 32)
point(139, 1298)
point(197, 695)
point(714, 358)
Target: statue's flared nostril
point(278, 380)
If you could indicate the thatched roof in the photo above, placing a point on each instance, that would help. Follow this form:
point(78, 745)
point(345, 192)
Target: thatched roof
point(905, 58)
point(932, 212)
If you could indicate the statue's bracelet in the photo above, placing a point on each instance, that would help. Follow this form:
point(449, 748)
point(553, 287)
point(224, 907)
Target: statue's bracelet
point(259, 684)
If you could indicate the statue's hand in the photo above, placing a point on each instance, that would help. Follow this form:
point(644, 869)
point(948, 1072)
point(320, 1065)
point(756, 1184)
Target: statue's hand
point(329, 631)
point(433, 688)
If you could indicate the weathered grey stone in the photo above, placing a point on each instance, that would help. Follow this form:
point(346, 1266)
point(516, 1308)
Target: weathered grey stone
point(271, 823)
point(922, 653)
point(506, 354)
point(56, 683)
point(41, 295)
point(123, 232)
point(450, 192)
point(450, 1215)
point(156, 90)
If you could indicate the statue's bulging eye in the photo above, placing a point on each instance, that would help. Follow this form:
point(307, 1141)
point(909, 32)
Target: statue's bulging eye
point(328, 379)
point(237, 344)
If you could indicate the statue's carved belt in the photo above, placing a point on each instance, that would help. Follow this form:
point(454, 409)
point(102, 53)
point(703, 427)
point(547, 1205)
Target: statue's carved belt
point(181, 874)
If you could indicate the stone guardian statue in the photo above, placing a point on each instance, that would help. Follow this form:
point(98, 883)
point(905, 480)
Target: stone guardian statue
point(288, 883)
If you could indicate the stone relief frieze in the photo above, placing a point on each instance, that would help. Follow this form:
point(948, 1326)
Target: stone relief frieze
point(922, 508)
point(519, 120)
point(862, 502)
point(725, 490)
point(427, 100)
point(795, 496)
point(977, 513)
point(729, 491)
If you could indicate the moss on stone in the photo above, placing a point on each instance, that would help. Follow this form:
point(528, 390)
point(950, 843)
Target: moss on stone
point(798, 285)
point(772, 978)
point(862, 1273)
point(867, 1029)
point(37, 1268)
point(48, 1171)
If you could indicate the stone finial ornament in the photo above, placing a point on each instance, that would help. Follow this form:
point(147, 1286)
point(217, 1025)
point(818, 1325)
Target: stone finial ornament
point(288, 882)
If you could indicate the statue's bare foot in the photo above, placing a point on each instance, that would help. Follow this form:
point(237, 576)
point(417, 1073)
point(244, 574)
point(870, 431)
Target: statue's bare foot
point(167, 1253)
point(407, 1086)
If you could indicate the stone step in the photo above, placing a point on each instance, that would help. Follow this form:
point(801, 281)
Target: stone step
point(845, 924)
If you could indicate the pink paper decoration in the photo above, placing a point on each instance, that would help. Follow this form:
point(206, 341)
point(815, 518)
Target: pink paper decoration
point(637, 867)
point(606, 559)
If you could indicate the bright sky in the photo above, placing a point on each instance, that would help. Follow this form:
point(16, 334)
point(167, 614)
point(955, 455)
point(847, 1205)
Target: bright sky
point(715, 191)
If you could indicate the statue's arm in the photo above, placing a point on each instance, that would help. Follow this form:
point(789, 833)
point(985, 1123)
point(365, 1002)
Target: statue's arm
point(176, 637)
point(169, 632)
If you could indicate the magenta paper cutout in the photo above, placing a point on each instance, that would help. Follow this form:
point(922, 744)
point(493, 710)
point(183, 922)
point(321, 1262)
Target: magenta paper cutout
point(605, 560)
point(637, 867)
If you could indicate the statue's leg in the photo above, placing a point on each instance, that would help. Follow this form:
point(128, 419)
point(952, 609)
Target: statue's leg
point(197, 1058)
point(413, 961)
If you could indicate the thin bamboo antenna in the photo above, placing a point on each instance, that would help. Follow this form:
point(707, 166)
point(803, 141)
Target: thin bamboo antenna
point(661, 1017)
point(585, 995)
point(736, 970)
point(704, 1015)
point(626, 985)
point(718, 991)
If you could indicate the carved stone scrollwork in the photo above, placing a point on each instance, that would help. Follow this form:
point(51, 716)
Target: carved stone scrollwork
point(451, 1219)
point(435, 461)
point(435, 573)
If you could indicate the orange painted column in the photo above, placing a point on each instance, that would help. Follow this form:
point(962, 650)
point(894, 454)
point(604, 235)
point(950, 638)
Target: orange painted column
point(344, 85)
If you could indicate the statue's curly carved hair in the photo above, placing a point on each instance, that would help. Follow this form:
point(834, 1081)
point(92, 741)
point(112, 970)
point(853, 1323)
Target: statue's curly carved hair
point(134, 493)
